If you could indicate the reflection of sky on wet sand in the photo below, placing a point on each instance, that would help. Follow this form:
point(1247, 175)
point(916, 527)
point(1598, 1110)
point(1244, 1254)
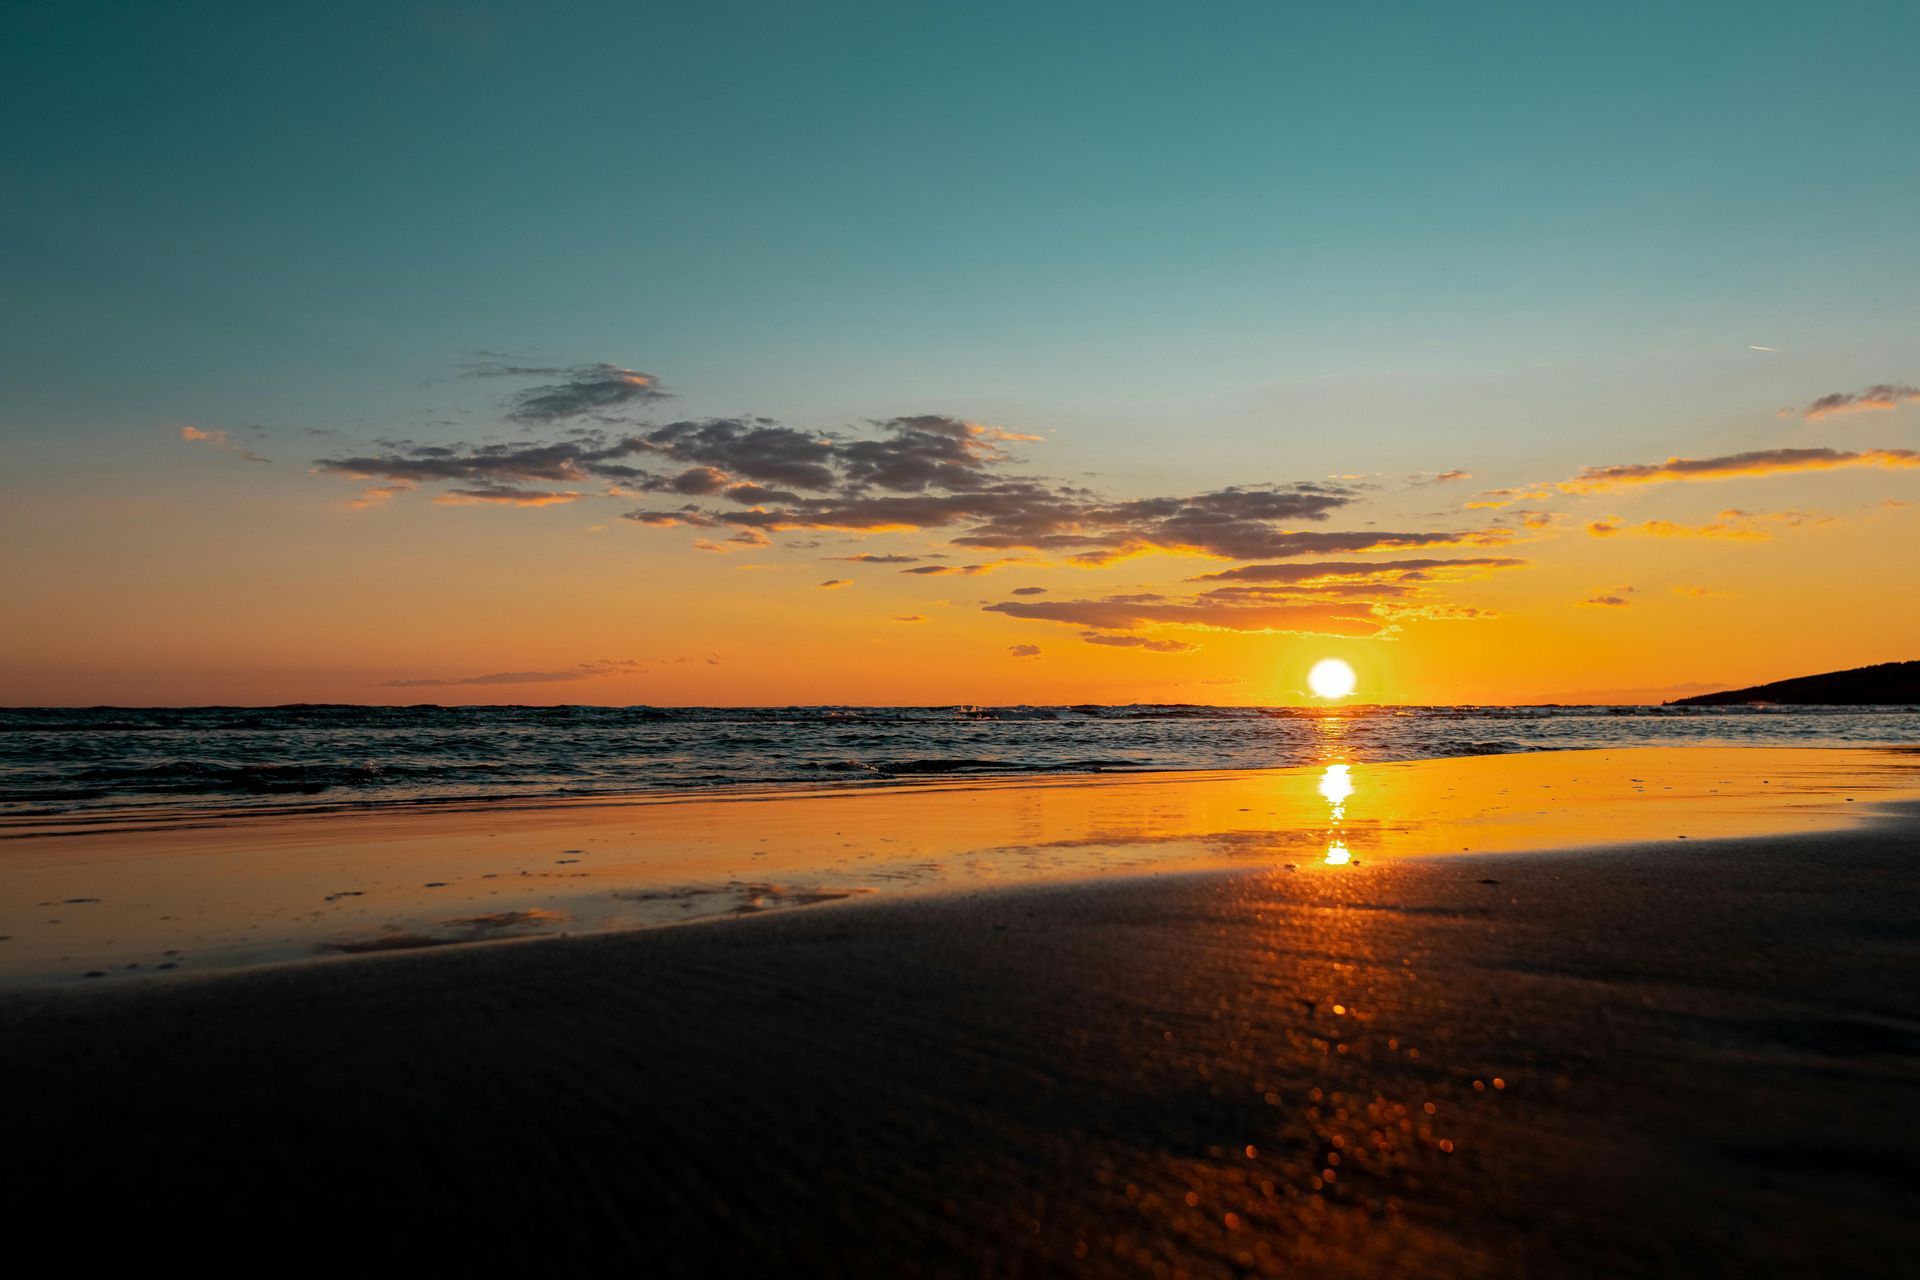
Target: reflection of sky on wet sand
point(78, 898)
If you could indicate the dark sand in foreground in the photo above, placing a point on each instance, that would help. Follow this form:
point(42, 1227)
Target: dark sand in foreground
point(1675, 1059)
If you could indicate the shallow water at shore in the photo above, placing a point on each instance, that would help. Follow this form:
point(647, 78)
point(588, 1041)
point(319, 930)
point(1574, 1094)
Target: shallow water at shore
point(110, 898)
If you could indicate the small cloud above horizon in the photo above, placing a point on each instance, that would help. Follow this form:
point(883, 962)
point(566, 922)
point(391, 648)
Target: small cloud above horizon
point(1879, 397)
point(222, 441)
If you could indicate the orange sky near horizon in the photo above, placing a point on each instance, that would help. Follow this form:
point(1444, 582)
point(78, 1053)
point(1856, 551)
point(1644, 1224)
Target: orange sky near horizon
point(247, 583)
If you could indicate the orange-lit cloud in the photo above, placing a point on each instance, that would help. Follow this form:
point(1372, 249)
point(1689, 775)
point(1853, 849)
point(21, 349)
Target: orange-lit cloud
point(1495, 498)
point(1142, 643)
point(1132, 613)
point(375, 495)
point(220, 440)
point(1732, 523)
point(502, 496)
point(1761, 462)
point(1311, 571)
point(1884, 395)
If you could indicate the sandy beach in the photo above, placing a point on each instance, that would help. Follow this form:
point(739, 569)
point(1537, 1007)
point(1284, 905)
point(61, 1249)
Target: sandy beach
point(1653, 1057)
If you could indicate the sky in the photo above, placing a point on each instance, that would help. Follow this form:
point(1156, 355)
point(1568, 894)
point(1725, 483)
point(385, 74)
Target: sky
point(732, 353)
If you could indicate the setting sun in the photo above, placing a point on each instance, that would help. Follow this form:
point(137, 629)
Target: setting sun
point(1331, 678)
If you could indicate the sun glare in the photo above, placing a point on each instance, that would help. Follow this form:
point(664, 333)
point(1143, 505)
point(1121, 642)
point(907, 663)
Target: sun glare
point(1330, 678)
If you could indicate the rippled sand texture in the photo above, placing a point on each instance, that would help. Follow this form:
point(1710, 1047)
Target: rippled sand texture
point(106, 900)
point(1673, 1059)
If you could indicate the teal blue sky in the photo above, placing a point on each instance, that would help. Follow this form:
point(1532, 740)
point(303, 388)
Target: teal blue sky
point(1400, 222)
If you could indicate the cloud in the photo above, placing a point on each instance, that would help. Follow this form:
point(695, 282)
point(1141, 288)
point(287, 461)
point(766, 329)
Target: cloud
point(597, 389)
point(505, 496)
point(584, 671)
point(1613, 598)
point(909, 473)
point(1440, 477)
point(1761, 462)
point(833, 584)
point(1698, 593)
point(745, 540)
point(1372, 570)
point(1139, 642)
point(1029, 591)
point(1882, 395)
point(1024, 650)
point(1342, 598)
point(909, 617)
point(222, 441)
point(374, 495)
point(948, 570)
point(869, 558)
point(1495, 498)
point(1133, 613)
point(1732, 523)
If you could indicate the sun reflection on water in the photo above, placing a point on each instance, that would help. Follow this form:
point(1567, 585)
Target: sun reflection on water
point(1336, 785)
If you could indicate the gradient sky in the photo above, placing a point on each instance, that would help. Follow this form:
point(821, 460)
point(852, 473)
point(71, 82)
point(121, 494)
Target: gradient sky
point(1283, 266)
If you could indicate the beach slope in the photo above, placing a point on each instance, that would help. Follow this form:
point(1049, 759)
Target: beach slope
point(1651, 1059)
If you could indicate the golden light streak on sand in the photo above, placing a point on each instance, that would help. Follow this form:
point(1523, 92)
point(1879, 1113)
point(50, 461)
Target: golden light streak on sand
point(128, 897)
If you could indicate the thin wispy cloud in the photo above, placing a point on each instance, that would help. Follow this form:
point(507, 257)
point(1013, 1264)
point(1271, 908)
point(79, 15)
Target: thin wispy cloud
point(220, 440)
point(583, 671)
point(1144, 643)
point(1760, 462)
point(1735, 524)
point(506, 496)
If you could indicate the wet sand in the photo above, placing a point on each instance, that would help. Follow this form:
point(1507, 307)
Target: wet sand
point(1650, 1058)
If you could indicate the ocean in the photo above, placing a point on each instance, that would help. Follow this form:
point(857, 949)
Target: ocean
point(106, 759)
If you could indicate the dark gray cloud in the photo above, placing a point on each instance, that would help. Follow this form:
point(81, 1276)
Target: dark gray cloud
point(1133, 613)
point(1759, 462)
point(949, 570)
point(1882, 395)
point(913, 473)
point(506, 495)
point(597, 390)
point(1024, 650)
point(1029, 591)
point(867, 557)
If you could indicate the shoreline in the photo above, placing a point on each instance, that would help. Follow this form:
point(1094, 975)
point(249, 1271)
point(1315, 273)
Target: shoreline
point(119, 903)
point(164, 816)
point(1651, 1058)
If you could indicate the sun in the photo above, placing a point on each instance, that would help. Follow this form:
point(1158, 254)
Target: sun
point(1331, 678)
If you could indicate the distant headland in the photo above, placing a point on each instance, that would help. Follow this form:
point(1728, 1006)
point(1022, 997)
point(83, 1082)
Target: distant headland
point(1885, 684)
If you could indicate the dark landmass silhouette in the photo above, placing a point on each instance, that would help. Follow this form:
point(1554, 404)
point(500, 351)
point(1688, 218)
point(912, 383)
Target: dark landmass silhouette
point(1884, 684)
